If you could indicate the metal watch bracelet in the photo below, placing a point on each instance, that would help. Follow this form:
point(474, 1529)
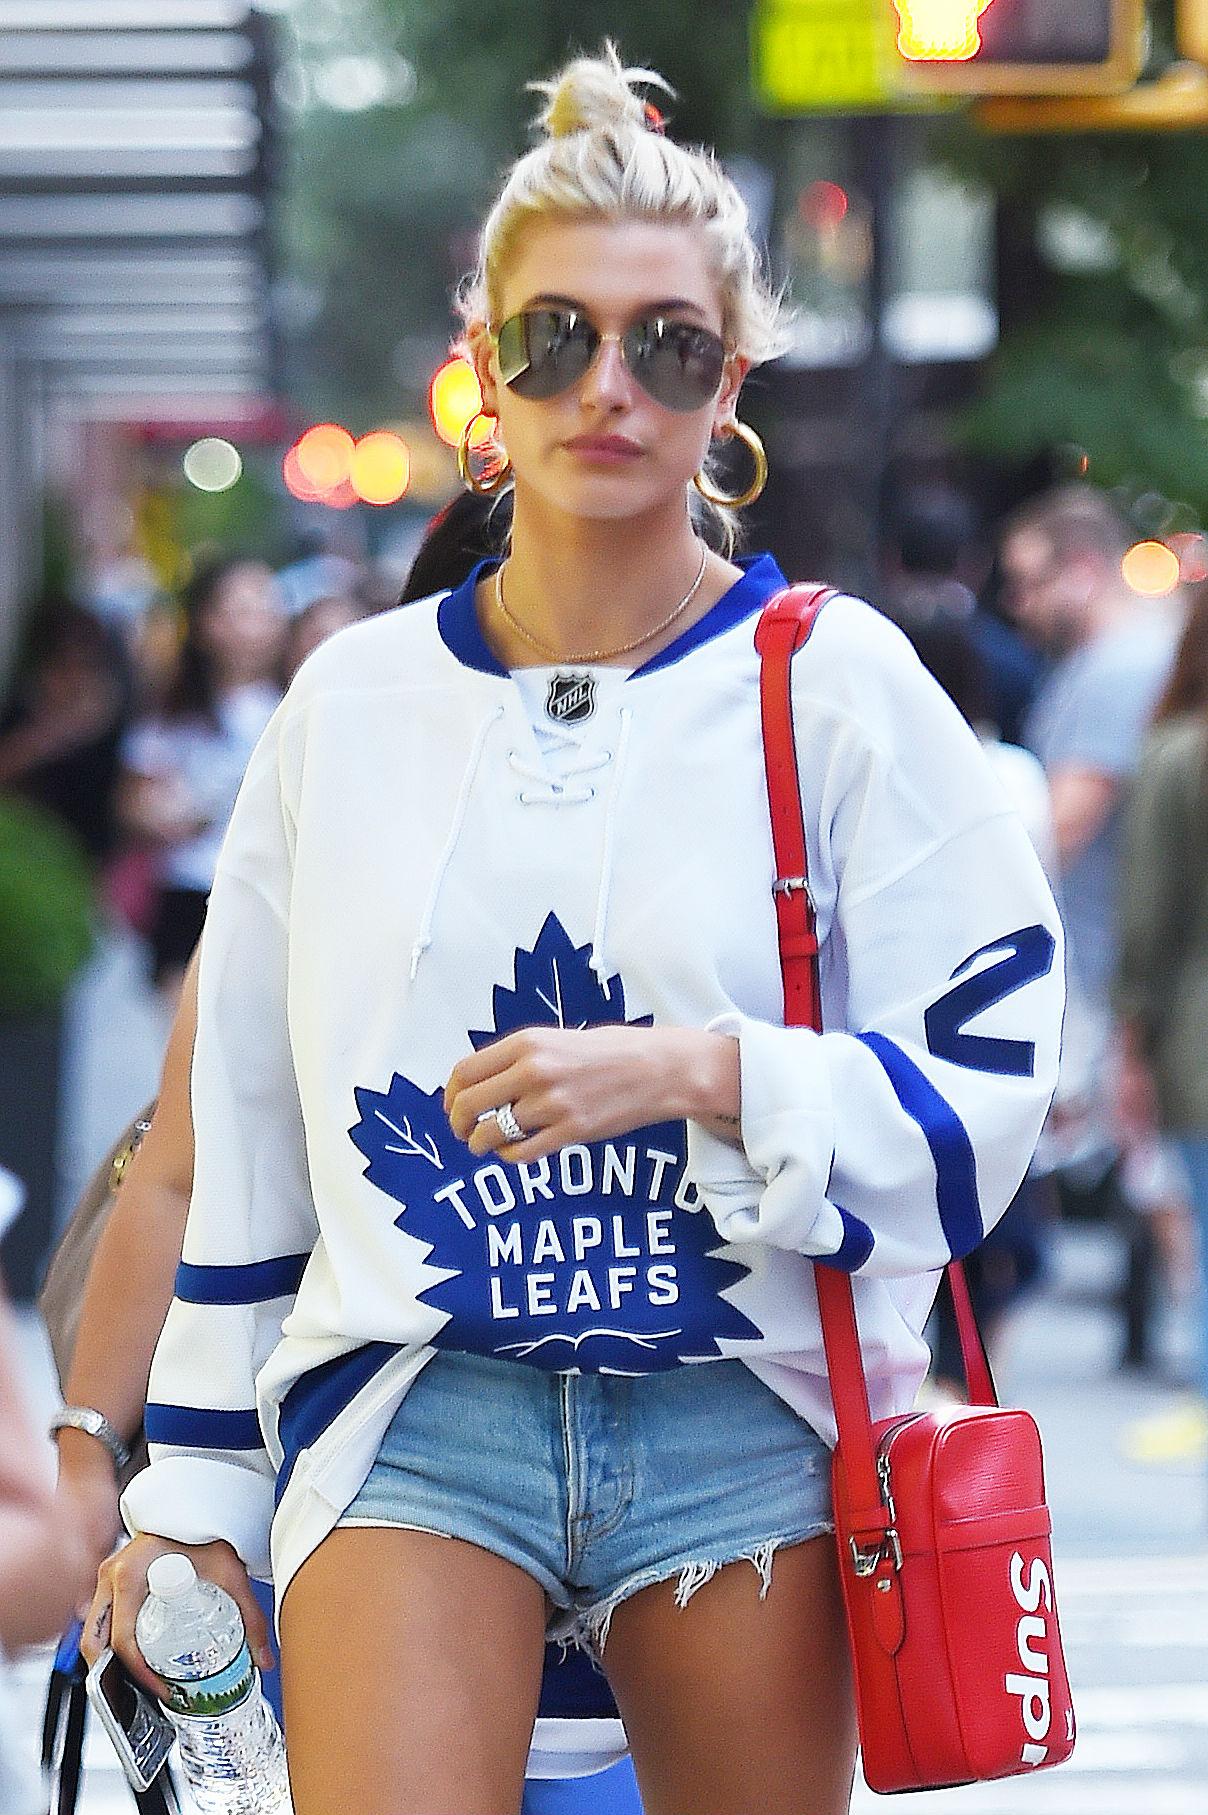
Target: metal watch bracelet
point(87, 1418)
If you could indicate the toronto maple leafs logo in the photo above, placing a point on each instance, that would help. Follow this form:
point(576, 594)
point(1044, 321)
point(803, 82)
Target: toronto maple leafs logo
point(597, 1259)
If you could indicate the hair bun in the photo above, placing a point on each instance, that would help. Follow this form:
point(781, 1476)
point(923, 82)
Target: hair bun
point(598, 94)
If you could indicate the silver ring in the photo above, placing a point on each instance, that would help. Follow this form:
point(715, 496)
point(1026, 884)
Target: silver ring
point(509, 1127)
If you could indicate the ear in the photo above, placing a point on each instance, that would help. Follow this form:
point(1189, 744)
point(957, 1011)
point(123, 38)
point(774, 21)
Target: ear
point(481, 350)
point(725, 409)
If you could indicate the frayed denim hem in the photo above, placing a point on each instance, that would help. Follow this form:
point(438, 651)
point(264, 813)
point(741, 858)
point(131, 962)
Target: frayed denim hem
point(591, 1625)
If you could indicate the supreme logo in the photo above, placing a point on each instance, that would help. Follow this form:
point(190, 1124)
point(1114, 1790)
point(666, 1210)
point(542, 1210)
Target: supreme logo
point(1031, 1684)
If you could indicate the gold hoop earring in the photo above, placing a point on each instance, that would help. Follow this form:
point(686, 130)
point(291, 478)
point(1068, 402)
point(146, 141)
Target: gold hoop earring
point(750, 440)
point(494, 478)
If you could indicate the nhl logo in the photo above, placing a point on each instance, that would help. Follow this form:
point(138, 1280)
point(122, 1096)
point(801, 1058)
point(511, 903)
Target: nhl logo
point(571, 698)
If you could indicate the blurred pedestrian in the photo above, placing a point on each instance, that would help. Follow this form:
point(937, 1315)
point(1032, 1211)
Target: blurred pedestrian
point(316, 622)
point(935, 566)
point(1062, 559)
point(184, 766)
point(1162, 985)
point(475, 894)
point(61, 734)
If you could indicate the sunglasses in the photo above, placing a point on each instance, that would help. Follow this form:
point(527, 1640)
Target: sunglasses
point(542, 352)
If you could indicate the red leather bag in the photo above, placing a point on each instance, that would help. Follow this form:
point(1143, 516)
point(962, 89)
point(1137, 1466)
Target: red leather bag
point(940, 1516)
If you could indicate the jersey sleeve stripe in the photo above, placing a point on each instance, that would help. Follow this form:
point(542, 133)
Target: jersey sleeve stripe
point(193, 1427)
point(956, 1191)
point(254, 1283)
point(856, 1246)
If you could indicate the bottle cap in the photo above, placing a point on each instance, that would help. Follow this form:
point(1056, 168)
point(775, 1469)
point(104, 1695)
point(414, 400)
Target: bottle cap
point(170, 1576)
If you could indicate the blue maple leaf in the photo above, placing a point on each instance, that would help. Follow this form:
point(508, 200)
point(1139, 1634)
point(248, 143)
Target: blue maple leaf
point(555, 987)
point(595, 1260)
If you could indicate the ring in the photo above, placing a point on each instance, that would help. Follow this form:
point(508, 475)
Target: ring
point(509, 1127)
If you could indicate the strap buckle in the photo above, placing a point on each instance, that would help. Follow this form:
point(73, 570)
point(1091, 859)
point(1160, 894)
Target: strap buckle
point(793, 885)
point(866, 1557)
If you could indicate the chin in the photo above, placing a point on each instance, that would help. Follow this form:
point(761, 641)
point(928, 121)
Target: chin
point(611, 497)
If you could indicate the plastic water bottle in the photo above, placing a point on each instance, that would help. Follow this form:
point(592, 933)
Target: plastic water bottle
point(191, 1633)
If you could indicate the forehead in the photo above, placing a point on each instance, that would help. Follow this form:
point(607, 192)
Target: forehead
point(611, 267)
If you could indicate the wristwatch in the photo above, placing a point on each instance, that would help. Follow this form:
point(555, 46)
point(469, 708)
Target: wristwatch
point(87, 1418)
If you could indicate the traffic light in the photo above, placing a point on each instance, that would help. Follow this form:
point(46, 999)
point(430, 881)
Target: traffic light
point(1020, 47)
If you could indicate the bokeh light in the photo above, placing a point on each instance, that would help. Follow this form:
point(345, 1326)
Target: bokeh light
point(296, 482)
point(823, 206)
point(381, 467)
point(454, 398)
point(1151, 569)
point(939, 30)
point(212, 464)
point(324, 455)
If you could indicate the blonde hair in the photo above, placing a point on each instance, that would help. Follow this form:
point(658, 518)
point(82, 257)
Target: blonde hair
point(605, 156)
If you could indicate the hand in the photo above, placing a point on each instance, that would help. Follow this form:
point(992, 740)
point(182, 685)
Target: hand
point(121, 1590)
point(590, 1084)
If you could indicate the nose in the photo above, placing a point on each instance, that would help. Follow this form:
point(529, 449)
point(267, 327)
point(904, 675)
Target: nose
point(607, 380)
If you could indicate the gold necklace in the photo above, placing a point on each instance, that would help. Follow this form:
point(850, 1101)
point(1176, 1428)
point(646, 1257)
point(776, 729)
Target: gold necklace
point(600, 655)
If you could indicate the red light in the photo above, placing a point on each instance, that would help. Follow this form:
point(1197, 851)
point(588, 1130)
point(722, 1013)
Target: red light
point(296, 482)
point(823, 206)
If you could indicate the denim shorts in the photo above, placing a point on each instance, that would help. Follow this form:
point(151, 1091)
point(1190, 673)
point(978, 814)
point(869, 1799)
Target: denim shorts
point(599, 1484)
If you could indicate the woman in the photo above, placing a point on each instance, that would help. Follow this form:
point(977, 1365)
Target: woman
point(183, 768)
point(493, 1105)
point(1162, 986)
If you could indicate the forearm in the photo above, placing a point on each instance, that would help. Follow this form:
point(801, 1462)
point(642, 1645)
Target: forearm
point(703, 1081)
point(126, 1299)
point(127, 1296)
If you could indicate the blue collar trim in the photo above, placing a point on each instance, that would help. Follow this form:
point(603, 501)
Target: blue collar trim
point(761, 577)
point(461, 633)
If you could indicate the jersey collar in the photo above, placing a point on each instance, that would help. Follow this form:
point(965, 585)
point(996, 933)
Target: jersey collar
point(461, 633)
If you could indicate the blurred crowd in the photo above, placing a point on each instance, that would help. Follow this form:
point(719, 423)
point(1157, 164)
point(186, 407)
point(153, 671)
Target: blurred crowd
point(132, 716)
point(1092, 702)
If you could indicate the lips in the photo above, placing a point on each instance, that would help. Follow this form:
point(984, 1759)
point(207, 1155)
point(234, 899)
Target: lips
point(608, 447)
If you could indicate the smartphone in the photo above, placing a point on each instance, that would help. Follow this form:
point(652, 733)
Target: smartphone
point(141, 1732)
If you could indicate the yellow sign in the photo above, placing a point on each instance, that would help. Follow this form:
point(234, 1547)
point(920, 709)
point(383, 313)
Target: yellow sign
point(819, 55)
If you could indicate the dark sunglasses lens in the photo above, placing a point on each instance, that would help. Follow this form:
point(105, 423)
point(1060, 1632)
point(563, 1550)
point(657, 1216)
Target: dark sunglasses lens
point(678, 364)
point(543, 351)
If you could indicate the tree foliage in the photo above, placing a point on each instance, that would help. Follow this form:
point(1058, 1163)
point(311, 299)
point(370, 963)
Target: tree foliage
point(1105, 343)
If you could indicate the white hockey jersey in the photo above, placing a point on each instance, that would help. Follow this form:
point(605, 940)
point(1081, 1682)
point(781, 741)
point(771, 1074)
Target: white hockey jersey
point(408, 876)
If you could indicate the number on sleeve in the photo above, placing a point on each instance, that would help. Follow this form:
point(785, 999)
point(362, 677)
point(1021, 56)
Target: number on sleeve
point(1029, 956)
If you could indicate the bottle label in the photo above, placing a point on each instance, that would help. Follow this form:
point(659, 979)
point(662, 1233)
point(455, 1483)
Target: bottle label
point(210, 1695)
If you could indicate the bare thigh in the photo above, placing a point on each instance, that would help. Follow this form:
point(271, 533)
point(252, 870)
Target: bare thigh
point(737, 1706)
point(410, 1668)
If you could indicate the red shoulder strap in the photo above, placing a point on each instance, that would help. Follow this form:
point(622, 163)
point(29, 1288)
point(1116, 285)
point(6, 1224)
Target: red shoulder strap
point(785, 624)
